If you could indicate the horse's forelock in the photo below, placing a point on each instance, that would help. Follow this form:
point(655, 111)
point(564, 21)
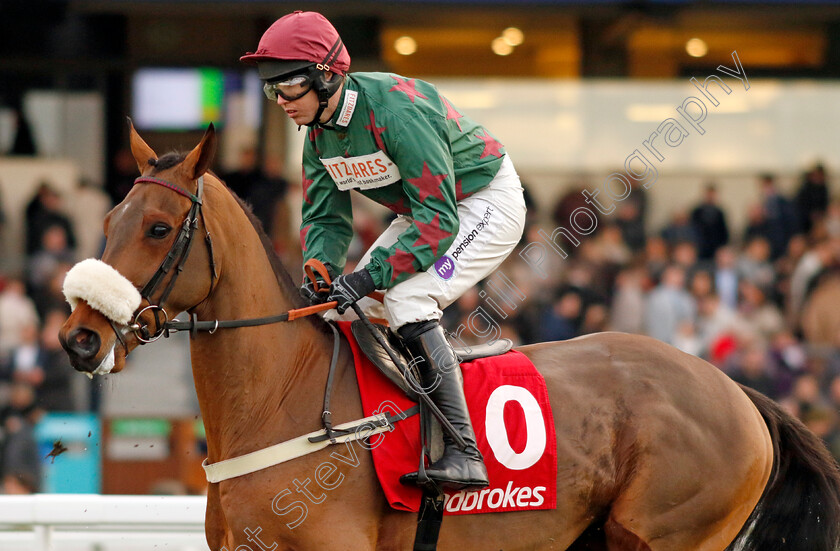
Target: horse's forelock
point(165, 162)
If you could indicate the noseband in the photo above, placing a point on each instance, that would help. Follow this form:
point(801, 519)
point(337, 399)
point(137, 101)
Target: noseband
point(177, 257)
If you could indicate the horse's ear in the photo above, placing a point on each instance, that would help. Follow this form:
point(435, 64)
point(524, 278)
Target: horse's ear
point(199, 159)
point(140, 149)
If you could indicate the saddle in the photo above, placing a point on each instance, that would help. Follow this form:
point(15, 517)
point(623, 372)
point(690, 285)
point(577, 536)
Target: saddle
point(379, 357)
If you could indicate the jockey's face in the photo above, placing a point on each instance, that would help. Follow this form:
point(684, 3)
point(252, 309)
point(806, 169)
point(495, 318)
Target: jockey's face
point(303, 109)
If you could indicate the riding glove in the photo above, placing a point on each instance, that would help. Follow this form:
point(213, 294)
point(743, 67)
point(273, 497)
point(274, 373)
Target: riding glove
point(347, 289)
point(307, 290)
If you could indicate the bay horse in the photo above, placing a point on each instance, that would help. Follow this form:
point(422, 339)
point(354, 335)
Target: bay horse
point(657, 450)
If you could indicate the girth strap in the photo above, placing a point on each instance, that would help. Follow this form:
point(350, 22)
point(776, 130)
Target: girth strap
point(300, 446)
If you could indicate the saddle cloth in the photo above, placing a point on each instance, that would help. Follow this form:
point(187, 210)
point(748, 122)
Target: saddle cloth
point(511, 414)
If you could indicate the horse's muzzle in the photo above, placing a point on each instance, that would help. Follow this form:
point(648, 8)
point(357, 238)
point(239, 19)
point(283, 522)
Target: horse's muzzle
point(82, 345)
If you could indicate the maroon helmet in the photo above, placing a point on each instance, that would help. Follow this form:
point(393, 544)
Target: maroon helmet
point(296, 42)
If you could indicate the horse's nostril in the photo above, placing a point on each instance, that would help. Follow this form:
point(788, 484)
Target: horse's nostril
point(84, 343)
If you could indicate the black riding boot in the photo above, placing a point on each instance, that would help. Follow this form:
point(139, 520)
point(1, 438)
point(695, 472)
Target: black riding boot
point(457, 469)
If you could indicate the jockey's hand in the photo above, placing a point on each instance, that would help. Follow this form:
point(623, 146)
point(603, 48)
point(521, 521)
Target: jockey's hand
point(347, 289)
point(307, 290)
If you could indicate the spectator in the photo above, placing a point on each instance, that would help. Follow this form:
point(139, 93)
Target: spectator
point(750, 368)
point(726, 276)
point(679, 229)
point(812, 198)
point(631, 216)
point(628, 304)
point(610, 246)
point(687, 339)
point(779, 214)
point(832, 220)
point(54, 393)
point(803, 279)
point(42, 264)
point(755, 265)
point(559, 321)
point(267, 201)
point(820, 321)
point(709, 222)
point(757, 225)
point(789, 358)
point(807, 393)
point(762, 316)
point(87, 207)
point(684, 254)
point(701, 285)
point(656, 256)
point(122, 176)
point(669, 305)
point(42, 212)
point(595, 319)
point(17, 311)
point(246, 175)
point(716, 322)
point(20, 456)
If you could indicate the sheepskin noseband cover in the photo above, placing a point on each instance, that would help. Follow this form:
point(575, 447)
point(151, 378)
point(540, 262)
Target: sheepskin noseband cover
point(103, 288)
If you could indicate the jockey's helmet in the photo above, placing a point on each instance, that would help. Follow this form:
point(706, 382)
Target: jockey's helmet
point(302, 43)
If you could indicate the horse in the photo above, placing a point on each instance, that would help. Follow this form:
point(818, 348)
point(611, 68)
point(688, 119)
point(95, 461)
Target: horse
point(657, 450)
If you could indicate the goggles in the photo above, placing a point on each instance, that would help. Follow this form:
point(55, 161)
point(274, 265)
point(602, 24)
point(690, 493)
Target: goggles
point(290, 89)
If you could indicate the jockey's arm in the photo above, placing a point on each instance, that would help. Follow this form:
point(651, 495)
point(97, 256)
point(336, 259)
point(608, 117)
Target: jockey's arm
point(326, 227)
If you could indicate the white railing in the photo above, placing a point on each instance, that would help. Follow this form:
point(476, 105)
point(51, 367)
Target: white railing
point(89, 522)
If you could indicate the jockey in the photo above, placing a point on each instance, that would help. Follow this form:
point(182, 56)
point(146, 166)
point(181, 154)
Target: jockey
point(398, 141)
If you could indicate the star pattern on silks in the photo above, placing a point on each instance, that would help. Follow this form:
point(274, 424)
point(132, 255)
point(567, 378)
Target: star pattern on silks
point(398, 207)
point(401, 262)
point(303, 233)
point(491, 146)
point(452, 114)
point(428, 184)
point(406, 86)
point(431, 234)
point(377, 132)
point(305, 183)
point(313, 134)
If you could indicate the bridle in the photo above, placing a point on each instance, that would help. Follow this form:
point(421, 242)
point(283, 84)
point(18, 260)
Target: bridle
point(177, 257)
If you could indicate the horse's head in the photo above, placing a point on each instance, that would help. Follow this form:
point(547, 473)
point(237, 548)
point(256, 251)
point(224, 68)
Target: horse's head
point(155, 262)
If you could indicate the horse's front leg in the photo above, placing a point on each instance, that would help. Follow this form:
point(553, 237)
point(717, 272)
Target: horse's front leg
point(215, 525)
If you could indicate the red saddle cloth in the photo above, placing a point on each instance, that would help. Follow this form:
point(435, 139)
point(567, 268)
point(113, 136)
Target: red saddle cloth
point(511, 414)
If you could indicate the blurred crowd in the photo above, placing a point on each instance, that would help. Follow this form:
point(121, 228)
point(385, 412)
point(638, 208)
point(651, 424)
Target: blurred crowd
point(760, 305)
point(35, 373)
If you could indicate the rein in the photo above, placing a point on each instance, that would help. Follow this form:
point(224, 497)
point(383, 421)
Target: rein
point(178, 253)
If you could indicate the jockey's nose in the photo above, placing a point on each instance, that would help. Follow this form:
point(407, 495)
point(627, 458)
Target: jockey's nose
point(83, 343)
point(281, 100)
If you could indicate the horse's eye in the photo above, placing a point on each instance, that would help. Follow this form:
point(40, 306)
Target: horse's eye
point(159, 231)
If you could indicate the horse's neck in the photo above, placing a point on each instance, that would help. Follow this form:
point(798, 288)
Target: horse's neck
point(257, 385)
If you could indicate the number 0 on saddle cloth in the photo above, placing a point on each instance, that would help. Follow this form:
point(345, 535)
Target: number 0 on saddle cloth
point(508, 404)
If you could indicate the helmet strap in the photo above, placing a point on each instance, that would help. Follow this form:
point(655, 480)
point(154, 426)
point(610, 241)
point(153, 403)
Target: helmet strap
point(325, 90)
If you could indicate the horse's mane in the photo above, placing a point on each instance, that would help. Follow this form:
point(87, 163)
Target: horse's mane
point(287, 286)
